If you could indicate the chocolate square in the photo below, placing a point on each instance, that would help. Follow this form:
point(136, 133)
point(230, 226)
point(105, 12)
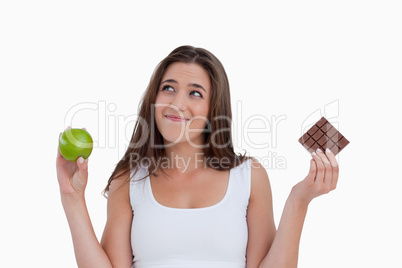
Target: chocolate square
point(323, 140)
point(321, 122)
point(337, 137)
point(304, 138)
point(323, 135)
point(331, 132)
point(312, 130)
point(335, 149)
point(310, 142)
point(317, 135)
point(329, 144)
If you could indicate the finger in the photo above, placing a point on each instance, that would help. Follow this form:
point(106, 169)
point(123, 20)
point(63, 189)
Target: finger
point(335, 167)
point(59, 155)
point(323, 157)
point(327, 168)
point(312, 172)
point(82, 168)
point(320, 168)
point(58, 148)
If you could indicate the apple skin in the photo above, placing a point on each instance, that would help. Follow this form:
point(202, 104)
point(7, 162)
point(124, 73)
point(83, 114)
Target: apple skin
point(75, 142)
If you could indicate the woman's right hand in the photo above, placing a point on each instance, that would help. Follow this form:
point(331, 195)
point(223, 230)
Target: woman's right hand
point(72, 176)
point(321, 179)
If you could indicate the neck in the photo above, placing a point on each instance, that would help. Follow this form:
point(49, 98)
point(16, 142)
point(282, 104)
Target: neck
point(184, 158)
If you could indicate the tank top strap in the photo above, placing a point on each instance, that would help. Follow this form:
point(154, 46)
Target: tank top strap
point(241, 183)
point(239, 190)
point(138, 191)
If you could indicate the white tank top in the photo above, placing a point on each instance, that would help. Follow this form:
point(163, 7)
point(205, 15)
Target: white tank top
point(214, 236)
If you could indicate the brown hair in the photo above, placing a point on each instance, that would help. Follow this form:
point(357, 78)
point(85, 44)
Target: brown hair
point(218, 146)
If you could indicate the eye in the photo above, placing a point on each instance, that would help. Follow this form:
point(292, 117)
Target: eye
point(164, 88)
point(199, 94)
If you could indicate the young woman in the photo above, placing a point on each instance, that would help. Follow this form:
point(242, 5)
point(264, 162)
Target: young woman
point(180, 196)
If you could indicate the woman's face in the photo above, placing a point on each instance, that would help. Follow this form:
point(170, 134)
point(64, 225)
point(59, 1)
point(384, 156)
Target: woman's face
point(182, 103)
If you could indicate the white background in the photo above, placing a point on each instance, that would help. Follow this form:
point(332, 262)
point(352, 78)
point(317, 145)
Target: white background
point(283, 58)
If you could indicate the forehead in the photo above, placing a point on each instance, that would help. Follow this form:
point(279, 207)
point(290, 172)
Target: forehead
point(187, 73)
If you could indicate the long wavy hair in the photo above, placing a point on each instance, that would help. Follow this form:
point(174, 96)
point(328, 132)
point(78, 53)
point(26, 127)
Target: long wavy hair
point(217, 146)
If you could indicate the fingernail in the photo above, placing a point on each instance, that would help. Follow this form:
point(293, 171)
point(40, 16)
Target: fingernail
point(328, 151)
point(81, 159)
point(313, 154)
point(319, 150)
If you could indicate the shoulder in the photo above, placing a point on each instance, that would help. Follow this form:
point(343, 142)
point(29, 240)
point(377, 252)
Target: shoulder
point(120, 186)
point(118, 198)
point(260, 184)
point(257, 168)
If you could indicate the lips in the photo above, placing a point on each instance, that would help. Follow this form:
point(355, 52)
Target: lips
point(176, 118)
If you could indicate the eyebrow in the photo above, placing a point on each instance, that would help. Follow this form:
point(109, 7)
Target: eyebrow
point(190, 85)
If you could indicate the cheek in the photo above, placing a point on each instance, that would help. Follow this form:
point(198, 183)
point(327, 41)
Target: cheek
point(201, 119)
point(161, 102)
point(157, 109)
point(158, 99)
point(158, 114)
point(160, 105)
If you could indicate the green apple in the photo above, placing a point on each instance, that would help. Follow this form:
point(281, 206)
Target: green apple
point(75, 142)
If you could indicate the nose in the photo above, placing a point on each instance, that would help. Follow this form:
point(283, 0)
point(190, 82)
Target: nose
point(179, 101)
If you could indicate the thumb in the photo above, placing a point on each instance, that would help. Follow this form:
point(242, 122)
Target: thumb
point(82, 168)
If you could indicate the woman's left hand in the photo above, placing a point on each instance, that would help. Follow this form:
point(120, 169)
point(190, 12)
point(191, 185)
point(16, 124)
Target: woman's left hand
point(321, 179)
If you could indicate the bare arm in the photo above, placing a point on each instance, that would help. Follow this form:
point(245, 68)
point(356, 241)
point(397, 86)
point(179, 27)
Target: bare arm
point(72, 178)
point(116, 236)
point(284, 251)
point(260, 218)
point(322, 178)
point(88, 251)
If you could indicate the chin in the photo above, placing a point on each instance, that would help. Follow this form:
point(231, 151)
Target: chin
point(173, 138)
point(175, 132)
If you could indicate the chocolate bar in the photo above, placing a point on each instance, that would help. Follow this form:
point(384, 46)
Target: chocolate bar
point(323, 135)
